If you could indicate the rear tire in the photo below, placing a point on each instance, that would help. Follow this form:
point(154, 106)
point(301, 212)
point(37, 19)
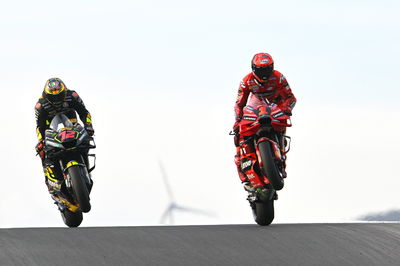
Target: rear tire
point(72, 219)
point(269, 166)
point(79, 187)
point(264, 212)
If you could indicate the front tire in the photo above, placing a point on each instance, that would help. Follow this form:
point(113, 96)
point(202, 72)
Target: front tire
point(79, 187)
point(263, 212)
point(72, 219)
point(269, 166)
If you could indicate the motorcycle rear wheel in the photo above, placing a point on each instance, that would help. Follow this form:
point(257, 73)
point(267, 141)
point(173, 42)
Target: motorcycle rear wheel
point(269, 166)
point(72, 219)
point(263, 212)
point(79, 187)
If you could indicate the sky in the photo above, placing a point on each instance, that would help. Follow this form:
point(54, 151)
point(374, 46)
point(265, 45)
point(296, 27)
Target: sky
point(160, 79)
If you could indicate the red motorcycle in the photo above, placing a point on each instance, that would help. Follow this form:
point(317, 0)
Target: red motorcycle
point(263, 148)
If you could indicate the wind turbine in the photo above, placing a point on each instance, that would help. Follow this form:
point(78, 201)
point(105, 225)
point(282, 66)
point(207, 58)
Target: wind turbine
point(172, 206)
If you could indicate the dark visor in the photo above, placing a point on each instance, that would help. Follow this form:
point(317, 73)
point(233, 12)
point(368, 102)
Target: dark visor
point(263, 72)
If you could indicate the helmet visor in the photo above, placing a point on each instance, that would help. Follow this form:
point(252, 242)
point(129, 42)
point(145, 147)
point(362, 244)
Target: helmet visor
point(263, 73)
point(54, 87)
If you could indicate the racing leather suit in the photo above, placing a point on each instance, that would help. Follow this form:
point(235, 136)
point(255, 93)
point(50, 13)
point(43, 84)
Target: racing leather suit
point(45, 112)
point(251, 92)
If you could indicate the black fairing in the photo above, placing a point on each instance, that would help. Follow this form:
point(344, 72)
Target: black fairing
point(75, 148)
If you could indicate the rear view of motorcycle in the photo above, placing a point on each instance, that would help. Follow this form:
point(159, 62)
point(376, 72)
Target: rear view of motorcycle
point(263, 148)
point(68, 144)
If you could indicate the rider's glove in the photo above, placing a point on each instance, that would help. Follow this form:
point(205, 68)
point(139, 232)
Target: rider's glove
point(89, 129)
point(39, 149)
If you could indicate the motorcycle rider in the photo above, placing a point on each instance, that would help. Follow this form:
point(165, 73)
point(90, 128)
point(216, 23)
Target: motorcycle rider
point(262, 83)
point(57, 98)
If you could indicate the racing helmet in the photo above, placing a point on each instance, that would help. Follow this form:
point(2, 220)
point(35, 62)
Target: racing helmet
point(54, 91)
point(262, 65)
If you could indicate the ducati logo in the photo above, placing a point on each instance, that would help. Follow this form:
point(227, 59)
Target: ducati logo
point(249, 118)
point(278, 115)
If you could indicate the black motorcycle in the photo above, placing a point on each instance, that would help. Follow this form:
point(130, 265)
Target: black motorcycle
point(67, 144)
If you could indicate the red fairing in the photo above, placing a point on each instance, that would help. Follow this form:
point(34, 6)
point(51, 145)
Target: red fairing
point(247, 162)
point(248, 127)
point(274, 119)
point(276, 90)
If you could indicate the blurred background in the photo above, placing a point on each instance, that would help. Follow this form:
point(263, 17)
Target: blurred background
point(160, 79)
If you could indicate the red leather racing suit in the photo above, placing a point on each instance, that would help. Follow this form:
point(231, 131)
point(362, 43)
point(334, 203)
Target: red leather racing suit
point(276, 90)
point(251, 92)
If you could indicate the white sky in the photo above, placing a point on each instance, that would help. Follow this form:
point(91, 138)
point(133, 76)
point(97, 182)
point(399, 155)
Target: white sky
point(160, 79)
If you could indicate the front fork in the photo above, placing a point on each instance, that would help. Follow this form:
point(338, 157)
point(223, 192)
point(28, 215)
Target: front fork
point(249, 163)
point(85, 174)
point(250, 157)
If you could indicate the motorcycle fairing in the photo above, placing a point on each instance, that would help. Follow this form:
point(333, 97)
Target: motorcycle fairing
point(250, 166)
point(248, 124)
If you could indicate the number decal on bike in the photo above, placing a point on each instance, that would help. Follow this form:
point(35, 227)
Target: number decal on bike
point(67, 134)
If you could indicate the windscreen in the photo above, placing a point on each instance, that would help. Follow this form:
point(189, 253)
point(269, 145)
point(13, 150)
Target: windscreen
point(60, 121)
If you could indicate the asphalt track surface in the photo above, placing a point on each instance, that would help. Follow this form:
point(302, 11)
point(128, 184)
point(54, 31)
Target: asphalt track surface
point(278, 244)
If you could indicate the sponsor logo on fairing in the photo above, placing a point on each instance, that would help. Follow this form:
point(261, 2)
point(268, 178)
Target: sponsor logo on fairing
point(249, 118)
point(53, 184)
point(245, 165)
point(278, 115)
point(250, 175)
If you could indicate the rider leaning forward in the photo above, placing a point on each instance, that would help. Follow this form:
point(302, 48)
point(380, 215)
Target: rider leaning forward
point(56, 98)
point(262, 83)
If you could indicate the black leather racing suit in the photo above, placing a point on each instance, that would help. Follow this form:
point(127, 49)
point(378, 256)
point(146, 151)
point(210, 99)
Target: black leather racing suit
point(45, 112)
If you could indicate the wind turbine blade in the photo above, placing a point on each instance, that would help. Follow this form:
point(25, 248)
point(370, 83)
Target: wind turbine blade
point(167, 213)
point(166, 182)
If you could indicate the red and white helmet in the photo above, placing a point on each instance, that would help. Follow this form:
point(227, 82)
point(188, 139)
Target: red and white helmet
point(262, 65)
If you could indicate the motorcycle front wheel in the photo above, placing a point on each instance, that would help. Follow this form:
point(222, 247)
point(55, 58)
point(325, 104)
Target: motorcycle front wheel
point(79, 187)
point(270, 168)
